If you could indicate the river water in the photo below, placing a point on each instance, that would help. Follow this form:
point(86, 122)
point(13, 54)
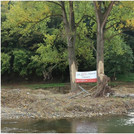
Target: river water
point(105, 124)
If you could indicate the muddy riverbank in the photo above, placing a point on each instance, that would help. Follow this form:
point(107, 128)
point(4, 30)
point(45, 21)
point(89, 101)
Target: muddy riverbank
point(48, 104)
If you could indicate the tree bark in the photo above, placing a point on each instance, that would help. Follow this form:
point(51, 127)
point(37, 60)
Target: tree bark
point(71, 37)
point(72, 61)
point(100, 55)
point(102, 79)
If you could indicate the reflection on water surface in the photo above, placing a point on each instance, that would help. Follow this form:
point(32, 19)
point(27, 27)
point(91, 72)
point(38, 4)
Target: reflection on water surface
point(106, 124)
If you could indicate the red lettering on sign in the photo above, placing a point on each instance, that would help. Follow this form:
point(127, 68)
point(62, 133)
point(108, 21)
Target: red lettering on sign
point(85, 80)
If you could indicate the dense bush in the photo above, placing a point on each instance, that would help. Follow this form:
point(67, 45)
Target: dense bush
point(20, 62)
point(5, 63)
point(118, 57)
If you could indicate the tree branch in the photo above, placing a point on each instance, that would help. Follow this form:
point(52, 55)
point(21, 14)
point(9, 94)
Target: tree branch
point(55, 3)
point(53, 15)
point(110, 20)
point(65, 20)
point(112, 26)
point(84, 16)
point(97, 11)
point(107, 13)
point(104, 4)
point(112, 36)
point(93, 48)
point(71, 16)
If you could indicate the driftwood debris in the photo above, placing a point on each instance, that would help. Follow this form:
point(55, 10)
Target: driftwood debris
point(123, 95)
point(103, 87)
point(76, 95)
point(83, 91)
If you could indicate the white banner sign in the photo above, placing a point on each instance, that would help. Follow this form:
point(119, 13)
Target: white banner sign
point(85, 77)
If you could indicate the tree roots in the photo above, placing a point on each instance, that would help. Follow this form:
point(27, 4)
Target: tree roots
point(103, 89)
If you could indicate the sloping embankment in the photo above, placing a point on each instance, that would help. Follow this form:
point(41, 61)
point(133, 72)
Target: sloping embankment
point(44, 104)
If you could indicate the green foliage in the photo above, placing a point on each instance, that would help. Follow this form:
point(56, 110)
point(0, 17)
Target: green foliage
point(36, 41)
point(121, 16)
point(126, 78)
point(36, 86)
point(43, 86)
point(25, 24)
point(5, 63)
point(24, 15)
point(47, 55)
point(84, 49)
point(21, 58)
point(118, 57)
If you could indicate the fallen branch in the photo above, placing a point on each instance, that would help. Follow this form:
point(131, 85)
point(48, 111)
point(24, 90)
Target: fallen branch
point(83, 90)
point(123, 95)
point(76, 95)
point(93, 88)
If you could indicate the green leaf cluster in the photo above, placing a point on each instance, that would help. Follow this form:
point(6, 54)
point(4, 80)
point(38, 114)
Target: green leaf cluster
point(118, 57)
point(21, 59)
point(33, 38)
point(5, 62)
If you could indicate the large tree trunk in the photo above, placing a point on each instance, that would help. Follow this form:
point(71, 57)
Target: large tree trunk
point(72, 61)
point(100, 57)
point(102, 79)
point(71, 35)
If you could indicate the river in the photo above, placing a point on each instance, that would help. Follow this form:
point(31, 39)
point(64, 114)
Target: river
point(105, 124)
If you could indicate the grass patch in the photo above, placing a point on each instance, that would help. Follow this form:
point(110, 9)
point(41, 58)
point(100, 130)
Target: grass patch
point(113, 84)
point(126, 77)
point(43, 86)
point(91, 84)
point(35, 86)
point(120, 80)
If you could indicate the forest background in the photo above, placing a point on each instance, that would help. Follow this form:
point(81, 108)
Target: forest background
point(34, 46)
